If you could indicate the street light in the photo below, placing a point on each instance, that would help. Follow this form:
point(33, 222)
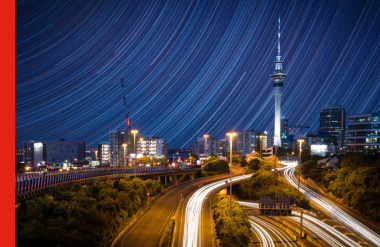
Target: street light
point(173, 157)
point(134, 145)
point(231, 134)
point(205, 136)
point(299, 163)
point(125, 161)
point(275, 150)
point(261, 143)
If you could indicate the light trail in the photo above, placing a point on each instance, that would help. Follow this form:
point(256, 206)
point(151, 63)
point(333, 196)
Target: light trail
point(279, 234)
point(194, 209)
point(329, 208)
point(321, 229)
point(264, 236)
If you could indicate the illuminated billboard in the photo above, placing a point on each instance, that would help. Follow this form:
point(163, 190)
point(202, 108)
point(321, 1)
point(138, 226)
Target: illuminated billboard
point(318, 149)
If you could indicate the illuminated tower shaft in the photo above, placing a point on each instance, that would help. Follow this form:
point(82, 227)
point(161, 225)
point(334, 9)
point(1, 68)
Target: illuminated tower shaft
point(278, 76)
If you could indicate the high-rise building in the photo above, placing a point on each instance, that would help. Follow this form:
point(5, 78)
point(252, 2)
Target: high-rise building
point(104, 154)
point(332, 120)
point(215, 146)
point(246, 142)
point(284, 132)
point(278, 77)
point(39, 153)
point(117, 139)
point(149, 145)
point(363, 133)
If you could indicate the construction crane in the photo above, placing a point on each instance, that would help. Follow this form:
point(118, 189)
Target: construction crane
point(299, 126)
point(127, 120)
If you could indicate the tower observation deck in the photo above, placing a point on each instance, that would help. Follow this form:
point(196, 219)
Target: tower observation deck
point(278, 76)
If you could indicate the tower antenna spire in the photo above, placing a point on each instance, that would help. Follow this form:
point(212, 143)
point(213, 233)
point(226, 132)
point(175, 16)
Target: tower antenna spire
point(279, 35)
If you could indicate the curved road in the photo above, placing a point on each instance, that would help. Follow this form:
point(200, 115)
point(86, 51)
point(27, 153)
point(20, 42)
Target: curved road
point(146, 231)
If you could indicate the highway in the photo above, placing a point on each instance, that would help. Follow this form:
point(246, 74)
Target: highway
point(328, 235)
point(331, 209)
point(197, 227)
point(270, 235)
point(146, 231)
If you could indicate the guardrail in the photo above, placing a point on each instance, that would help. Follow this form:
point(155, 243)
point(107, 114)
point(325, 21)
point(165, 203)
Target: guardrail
point(33, 184)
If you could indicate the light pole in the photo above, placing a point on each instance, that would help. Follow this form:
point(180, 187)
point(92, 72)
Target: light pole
point(134, 145)
point(231, 134)
point(299, 165)
point(96, 156)
point(205, 136)
point(275, 151)
point(125, 161)
point(261, 143)
point(173, 157)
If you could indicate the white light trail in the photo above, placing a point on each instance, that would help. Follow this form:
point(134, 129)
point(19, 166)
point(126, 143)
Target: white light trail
point(329, 208)
point(264, 236)
point(281, 236)
point(194, 208)
point(319, 228)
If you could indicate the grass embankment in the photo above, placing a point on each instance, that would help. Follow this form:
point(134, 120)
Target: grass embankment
point(82, 216)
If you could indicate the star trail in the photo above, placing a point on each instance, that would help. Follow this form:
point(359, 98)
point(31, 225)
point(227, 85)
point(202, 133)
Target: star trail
point(189, 67)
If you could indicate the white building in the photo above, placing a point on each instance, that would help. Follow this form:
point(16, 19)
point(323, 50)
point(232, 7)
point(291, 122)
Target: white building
point(104, 154)
point(149, 145)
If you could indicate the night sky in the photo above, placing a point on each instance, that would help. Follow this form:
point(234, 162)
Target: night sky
point(190, 67)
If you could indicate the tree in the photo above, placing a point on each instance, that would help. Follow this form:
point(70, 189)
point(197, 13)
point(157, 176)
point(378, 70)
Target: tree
point(236, 160)
point(195, 156)
point(243, 163)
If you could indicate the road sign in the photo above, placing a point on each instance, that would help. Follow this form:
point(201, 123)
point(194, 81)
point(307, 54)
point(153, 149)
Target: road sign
point(130, 164)
point(154, 163)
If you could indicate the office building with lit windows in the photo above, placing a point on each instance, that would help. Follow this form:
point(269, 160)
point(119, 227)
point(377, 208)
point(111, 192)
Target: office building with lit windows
point(104, 154)
point(40, 153)
point(215, 146)
point(332, 120)
point(117, 139)
point(149, 145)
point(363, 133)
point(284, 132)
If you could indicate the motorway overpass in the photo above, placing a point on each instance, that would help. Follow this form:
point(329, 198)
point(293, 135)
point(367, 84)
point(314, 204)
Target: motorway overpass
point(29, 185)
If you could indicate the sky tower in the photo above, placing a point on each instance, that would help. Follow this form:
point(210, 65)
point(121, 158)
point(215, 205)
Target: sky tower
point(278, 76)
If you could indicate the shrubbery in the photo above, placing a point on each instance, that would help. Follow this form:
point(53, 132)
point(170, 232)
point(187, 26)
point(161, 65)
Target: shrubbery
point(264, 183)
point(215, 167)
point(256, 164)
point(82, 216)
point(232, 232)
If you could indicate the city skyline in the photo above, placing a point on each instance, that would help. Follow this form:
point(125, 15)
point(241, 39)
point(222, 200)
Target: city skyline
point(189, 69)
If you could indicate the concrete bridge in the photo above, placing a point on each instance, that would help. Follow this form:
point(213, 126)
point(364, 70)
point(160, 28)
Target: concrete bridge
point(29, 185)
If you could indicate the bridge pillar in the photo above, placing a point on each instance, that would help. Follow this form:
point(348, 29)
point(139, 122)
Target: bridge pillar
point(191, 177)
point(166, 180)
point(173, 179)
point(159, 179)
